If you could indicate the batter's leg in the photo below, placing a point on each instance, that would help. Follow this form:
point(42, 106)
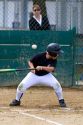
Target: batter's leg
point(51, 81)
point(30, 80)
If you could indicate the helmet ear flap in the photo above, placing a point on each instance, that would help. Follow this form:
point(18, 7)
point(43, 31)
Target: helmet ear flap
point(52, 54)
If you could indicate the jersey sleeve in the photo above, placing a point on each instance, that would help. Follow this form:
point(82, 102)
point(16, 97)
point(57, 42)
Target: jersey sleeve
point(33, 59)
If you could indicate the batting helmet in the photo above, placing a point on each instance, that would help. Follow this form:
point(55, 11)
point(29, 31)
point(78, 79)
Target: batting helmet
point(54, 49)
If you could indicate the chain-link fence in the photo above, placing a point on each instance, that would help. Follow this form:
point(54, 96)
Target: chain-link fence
point(62, 14)
point(79, 60)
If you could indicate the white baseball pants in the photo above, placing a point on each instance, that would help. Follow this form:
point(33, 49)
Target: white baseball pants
point(31, 79)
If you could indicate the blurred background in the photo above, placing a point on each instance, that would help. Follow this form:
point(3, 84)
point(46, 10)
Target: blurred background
point(62, 14)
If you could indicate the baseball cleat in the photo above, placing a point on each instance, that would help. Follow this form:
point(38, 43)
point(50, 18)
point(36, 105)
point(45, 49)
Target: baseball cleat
point(62, 103)
point(15, 103)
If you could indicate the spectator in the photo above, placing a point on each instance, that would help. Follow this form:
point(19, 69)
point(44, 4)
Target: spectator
point(38, 22)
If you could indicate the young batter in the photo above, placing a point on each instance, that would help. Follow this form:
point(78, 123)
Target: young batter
point(45, 64)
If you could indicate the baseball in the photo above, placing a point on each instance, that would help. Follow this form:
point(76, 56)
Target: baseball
point(34, 46)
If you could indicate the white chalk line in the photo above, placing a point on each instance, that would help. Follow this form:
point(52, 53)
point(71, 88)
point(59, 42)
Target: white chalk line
point(23, 112)
point(40, 118)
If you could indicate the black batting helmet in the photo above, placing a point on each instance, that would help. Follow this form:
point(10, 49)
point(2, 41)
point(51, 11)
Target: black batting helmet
point(53, 49)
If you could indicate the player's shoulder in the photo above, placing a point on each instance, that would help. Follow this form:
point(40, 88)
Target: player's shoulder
point(37, 56)
point(41, 54)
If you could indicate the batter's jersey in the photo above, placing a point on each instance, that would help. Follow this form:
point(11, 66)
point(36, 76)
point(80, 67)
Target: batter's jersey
point(41, 60)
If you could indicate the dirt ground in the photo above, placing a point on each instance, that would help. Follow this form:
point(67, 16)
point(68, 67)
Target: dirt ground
point(39, 106)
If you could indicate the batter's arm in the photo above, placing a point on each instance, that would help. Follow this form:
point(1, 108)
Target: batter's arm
point(46, 68)
point(31, 66)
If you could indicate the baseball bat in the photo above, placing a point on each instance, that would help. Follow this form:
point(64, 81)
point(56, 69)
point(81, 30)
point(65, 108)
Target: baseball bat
point(14, 70)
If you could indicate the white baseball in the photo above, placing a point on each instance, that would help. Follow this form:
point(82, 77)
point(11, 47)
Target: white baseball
point(34, 46)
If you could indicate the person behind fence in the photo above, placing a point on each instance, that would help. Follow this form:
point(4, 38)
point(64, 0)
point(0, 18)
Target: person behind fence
point(45, 64)
point(37, 21)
